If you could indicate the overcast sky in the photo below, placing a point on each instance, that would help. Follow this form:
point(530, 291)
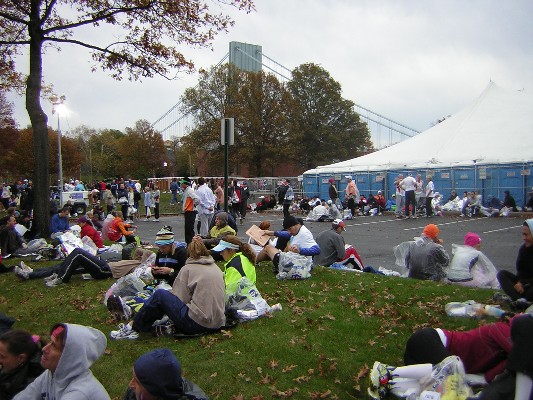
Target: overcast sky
point(412, 61)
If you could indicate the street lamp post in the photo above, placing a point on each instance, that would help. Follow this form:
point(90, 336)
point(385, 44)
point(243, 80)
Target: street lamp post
point(57, 105)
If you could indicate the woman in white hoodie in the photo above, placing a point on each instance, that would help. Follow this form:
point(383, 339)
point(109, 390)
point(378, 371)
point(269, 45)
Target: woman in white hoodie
point(68, 358)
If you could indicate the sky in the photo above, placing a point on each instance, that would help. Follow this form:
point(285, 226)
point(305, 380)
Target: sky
point(411, 61)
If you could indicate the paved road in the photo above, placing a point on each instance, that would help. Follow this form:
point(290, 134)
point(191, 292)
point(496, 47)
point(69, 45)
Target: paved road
point(374, 237)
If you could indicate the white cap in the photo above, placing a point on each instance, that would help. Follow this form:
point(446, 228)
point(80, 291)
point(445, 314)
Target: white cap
point(348, 177)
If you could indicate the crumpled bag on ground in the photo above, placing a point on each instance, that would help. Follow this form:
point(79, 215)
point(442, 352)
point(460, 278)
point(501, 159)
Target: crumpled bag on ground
point(244, 300)
point(294, 266)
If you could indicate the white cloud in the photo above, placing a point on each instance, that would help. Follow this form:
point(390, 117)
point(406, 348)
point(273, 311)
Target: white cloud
point(411, 61)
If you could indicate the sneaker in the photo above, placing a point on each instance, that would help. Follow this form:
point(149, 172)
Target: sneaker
point(125, 331)
point(117, 308)
point(146, 219)
point(21, 272)
point(156, 219)
point(54, 282)
point(51, 277)
point(380, 380)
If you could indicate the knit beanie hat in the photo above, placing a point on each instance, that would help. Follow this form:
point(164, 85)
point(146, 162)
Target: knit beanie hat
point(159, 371)
point(431, 231)
point(289, 222)
point(164, 236)
point(472, 239)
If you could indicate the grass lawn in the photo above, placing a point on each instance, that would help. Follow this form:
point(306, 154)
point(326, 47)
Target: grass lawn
point(320, 346)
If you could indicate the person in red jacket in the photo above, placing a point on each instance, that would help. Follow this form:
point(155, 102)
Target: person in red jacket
point(482, 350)
point(88, 230)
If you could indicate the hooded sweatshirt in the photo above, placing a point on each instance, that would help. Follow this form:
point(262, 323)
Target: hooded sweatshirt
point(72, 379)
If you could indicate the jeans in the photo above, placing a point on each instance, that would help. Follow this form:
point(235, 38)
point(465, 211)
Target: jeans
point(164, 302)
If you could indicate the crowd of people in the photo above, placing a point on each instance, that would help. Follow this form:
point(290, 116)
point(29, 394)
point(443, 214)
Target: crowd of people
point(194, 300)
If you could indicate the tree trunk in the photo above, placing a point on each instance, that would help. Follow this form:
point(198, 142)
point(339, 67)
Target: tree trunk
point(41, 185)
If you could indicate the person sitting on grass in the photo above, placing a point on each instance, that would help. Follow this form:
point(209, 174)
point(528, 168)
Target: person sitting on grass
point(239, 261)
point(158, 375)
point(300, 241)
point(59, 223)
point(88, 230)
point(424, 258)
point(218, 231)
point(470, 267)
point(333, 251)
point(519, 286)
point(195, 305)
point(20, 356)
point(67, 360)
point(119, 230)
point(77, 261)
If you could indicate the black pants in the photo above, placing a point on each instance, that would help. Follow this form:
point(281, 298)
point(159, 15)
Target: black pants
point(410, 200)
point(508, 280)
point(243, 206)
point(429, 208)
point(156, 211)
point(286, 206)
point(77, 261)
point(351, 206)
point(190, 217)
point(425, 346)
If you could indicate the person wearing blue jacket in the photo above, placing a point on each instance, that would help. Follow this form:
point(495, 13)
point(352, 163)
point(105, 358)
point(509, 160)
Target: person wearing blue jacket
point(59, 223)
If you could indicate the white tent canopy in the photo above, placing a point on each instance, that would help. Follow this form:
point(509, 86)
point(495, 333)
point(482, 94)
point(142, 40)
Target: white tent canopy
point(497, 128)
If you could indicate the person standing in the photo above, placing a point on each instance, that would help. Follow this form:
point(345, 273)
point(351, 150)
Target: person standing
point(352, 195)
point(206, 205)
point(156, 194)
point(219, 194)
point(420, 192)
point(287, 198)
point(174, 190)
point(400, 196)
point(147, 203)
point(189, 200)
point(430, 193)
point(408, 184)
point(245, 195)
point(332, 191)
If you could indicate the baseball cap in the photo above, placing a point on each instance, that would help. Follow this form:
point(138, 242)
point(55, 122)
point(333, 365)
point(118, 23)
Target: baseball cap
point(338, 222)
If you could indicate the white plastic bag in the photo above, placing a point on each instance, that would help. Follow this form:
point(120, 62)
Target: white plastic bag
point(294, 266)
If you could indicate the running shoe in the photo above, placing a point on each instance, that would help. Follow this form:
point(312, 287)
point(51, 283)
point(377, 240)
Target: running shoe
point(380, 379)
point(125, 331)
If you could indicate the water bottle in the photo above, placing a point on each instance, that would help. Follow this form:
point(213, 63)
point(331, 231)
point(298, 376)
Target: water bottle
point(275, 307)
point(493, 311)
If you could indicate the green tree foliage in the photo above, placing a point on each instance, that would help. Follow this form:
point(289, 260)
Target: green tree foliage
point(146, 35)
point(99, 150)
point(258, 102)
point(325, 127)
point(263, 121)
